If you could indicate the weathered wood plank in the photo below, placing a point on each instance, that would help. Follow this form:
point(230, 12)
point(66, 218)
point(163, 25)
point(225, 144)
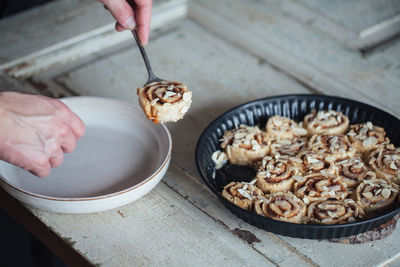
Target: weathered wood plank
point(306, 54)
point(87, 43)
point(162, 228)
point(198, 194)
point(357, 25)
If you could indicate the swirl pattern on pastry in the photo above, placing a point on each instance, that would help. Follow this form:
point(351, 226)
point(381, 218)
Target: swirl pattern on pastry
point(284, 128)
point(376, 194)
point(319, 186)
point(353, 171)
point(366, 137)
point(385, 161)
point(164, 101)
point(283, 207)
point(310, 162)
point(334, 147)
point(276, 174)
point(326, 122)
point(334, 212)
point(245, 145)
point(241, 194)
point(289, 147)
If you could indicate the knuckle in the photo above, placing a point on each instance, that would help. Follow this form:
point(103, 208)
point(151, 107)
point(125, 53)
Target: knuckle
point(63, 130)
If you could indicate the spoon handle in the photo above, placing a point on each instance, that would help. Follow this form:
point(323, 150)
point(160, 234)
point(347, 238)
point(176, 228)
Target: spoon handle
point(152, 77)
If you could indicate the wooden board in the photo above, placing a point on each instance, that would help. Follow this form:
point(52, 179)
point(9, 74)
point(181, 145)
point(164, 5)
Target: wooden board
point(303, 53)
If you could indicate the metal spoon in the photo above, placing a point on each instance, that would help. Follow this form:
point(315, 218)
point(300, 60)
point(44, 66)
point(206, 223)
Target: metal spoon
point(152, 76)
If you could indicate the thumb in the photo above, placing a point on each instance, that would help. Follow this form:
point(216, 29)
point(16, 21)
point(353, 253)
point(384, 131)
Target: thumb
point(122, 12)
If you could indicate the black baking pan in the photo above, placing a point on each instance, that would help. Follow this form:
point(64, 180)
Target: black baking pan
point(295, 107)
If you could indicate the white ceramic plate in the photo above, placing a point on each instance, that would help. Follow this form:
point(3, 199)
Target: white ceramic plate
point(121, 157)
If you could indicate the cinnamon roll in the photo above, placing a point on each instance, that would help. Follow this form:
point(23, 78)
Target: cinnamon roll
point(245, 145)
point(326, 122)
point(289, 147)
point(310, 162)
point(353, 171)
point(319, 186)
point(376, 194)
point(284, 128)
point(385, 161)
point(283, 207)
point(276, 174)
point(241, 194)
point(334, 212)
point(366, 137)
point(164, 101)
point(334, 147)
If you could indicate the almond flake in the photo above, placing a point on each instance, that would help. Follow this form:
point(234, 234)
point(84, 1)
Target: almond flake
point(351, 219)
point(369, 125)
point(377, 192)
point(245, 187)
point(386, 193)
point(302, 189)
point(306, 201)
point(278, 122)
point(169, 94)
point(239, 135)
point(154, 101)
point(253, 181)
point(367, 194)
point(170, 88)
point(332, 214)
point(326, 220)
point(244, 193)
point(370, 141)
point(393, 166)
point(299, 178)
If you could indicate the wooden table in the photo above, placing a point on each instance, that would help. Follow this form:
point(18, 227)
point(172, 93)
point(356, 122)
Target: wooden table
point(228, 52)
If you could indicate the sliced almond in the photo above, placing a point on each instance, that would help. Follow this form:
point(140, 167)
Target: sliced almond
point(154, 101)
point(386, 193)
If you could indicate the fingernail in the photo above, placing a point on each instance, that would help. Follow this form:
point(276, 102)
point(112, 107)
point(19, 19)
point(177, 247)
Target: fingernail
point(130, 23)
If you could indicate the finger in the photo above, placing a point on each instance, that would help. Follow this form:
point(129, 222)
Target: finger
point(40, 166)
point(122, 12)
point(143, 17)
point(68, 143)
point(77, 126)
point(57, 159)
point(119, 27)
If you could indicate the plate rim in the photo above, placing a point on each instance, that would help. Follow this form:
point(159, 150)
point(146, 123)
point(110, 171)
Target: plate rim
point(110, 195)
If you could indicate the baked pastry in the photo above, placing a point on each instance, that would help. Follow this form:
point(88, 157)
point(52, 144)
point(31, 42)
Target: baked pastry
point(164, 101)
point(375, 194)
point(289, 147)
point(334, 147)
point(319, 186)
point(385, 161)
point(352, 171)
point(276, 174)
point(245, 145)
point(284, 128)
point(326, 122)
point(283, 207)
point(334, 212)
point(366, 137)
point(311, 162)
point(219, 158)
point(241, 194)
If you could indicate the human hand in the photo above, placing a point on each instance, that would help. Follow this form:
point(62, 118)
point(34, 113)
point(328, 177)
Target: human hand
point(35, 131)
point(128, 18)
